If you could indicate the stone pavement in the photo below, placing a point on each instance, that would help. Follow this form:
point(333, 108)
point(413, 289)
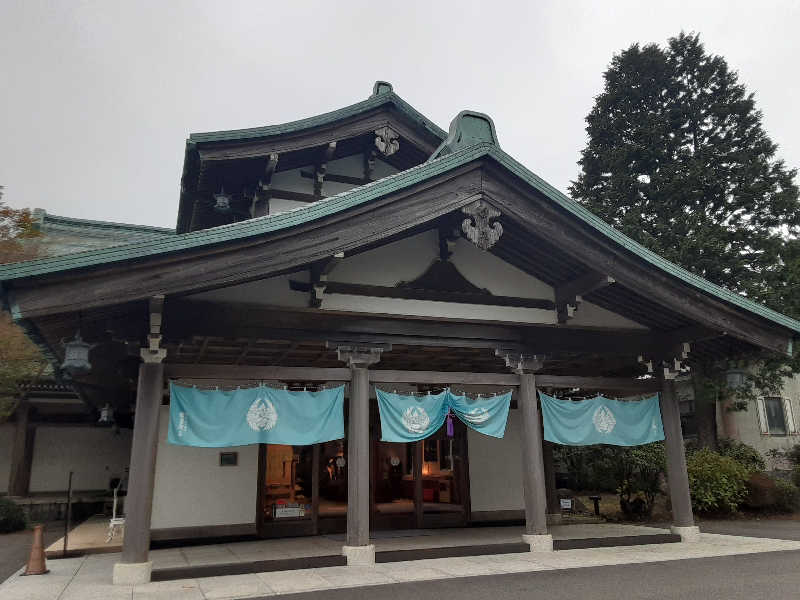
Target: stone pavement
point(89, 577)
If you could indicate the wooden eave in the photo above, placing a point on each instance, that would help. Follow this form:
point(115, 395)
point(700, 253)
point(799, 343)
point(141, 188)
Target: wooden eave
point(531, 215)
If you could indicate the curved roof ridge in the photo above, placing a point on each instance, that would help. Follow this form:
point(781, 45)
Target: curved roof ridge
point(373, 101)
point(47, 217)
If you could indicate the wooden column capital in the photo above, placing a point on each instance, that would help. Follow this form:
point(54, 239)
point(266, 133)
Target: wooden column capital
point(521, 363)
point(361, 356)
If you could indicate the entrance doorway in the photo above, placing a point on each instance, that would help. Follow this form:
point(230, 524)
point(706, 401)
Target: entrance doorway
point(302, 490)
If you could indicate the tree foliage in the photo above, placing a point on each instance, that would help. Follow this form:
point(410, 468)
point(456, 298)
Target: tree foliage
point(20, 359)
point(678, 160)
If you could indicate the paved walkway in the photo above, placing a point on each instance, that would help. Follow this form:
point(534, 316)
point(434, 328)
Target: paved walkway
point(89, 577)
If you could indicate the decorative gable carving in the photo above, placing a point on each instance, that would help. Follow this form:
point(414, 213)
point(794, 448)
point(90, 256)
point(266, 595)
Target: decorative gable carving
point(478, 228)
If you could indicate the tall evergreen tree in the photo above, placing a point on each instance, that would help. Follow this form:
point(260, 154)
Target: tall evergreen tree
point(678, 159)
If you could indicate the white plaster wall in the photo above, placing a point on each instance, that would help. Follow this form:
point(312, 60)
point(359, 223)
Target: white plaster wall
point(94, 454)
point(495, 468)
point(7, 431)
point(191, 489)
point(352, 166)
point(407, 259)
point(750, 431)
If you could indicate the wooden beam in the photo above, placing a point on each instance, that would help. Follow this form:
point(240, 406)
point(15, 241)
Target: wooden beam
point(379, 376)
point(381, 291)
point(569, 294)
point(178, 371)
point(617, 384)
point(442, 378)
point(338, 178)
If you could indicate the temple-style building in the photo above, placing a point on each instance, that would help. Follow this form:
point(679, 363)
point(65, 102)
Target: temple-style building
point(368, 247)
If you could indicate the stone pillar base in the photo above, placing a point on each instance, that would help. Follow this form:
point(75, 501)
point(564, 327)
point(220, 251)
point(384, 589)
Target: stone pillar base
point(132, 573)
point(554, 519)
point(359, 556)
point(688, 534)
point(539, 543)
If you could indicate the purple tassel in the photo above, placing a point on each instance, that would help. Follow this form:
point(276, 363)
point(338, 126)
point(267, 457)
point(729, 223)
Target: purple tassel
point(449, 425)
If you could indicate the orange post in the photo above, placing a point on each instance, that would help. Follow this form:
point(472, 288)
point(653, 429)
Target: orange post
point(36, 561)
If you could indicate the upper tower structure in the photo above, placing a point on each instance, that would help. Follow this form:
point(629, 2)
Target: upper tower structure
point(230, 176)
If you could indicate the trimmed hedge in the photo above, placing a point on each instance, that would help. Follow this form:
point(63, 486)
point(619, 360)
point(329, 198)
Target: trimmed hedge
point(12, 517)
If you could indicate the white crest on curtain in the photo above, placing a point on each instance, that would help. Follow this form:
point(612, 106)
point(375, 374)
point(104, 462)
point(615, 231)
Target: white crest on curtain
point(262, 415)
point(415, 419)
point(182, 425)
point(477, 415)
point(604, 420)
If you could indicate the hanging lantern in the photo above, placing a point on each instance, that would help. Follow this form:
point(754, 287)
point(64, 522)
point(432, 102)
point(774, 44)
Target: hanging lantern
point(76, 356)
point(222, 202)
point(106, 415)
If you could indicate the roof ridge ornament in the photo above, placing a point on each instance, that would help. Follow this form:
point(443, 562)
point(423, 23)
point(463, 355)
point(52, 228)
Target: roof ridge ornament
point(382, 87)
point(467, 129)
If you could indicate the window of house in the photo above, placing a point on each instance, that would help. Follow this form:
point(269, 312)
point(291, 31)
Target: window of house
point(776, 419)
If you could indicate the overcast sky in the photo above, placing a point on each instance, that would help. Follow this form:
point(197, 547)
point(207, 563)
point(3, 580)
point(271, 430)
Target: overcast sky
point(98, 97)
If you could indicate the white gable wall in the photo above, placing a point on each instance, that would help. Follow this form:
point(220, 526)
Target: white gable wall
point(293, 181)
point(406, 260)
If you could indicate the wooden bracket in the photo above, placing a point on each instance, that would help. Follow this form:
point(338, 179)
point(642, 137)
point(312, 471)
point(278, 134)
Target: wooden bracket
point(359, 355)
point(319, 278)
point(260, 205)
point(569, 295)
point(521, 363)
point(674, 365)
point(321, 168)
point(153, 352)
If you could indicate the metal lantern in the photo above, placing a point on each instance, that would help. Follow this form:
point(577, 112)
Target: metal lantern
point(222, 202)
point(76, 356)
point(106, 415)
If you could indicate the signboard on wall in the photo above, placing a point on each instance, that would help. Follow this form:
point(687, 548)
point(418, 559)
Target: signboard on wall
point(293, 510)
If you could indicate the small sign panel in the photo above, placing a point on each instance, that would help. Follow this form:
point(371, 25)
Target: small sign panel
point(294, 510)
point(566, 503)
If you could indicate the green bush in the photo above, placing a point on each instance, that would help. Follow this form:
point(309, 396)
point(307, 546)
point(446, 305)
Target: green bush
point(12, 518)
point(793, 455)
point(718, 483)
point(796, 475)
point(760, 491)
point(745, 455)
point(787, 496)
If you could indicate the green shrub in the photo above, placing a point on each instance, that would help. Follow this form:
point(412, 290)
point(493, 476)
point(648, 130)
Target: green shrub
point(718, 483)
point(787, 496)
point(745, 455)
point(793, 455)
point(796, 475)
point(12, 518)
point(760, 491)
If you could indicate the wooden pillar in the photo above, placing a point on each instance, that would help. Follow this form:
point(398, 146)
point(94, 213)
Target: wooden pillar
point(419, 490)
point(677, 476)
point(533, 480)
point(135, 566)
point(553, 506)
point(357, 549)
point(358, 460)
point(21, 452)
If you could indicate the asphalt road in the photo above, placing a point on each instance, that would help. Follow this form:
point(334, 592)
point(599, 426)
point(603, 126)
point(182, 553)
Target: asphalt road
point(15, 547)
point(773, 575)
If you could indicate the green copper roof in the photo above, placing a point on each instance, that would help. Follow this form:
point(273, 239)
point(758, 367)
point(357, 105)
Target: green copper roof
point(367, 193)
point(382, 94)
